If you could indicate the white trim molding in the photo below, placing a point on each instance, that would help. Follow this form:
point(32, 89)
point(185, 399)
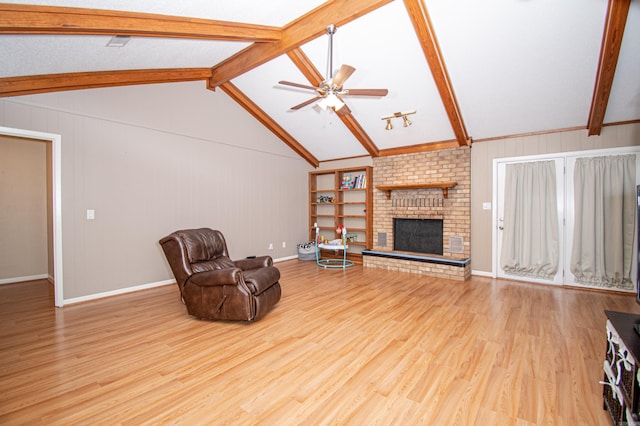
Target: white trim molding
point(23, 279)
point(118, 292)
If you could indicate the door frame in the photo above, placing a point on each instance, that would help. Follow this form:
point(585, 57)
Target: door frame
point(56, 172)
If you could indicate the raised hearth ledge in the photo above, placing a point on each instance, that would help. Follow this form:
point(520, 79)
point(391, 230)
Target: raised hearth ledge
point(461, 263)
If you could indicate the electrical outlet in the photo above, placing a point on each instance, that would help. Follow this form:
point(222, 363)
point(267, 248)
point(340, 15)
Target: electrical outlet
point(284, 244)
point(270, 246)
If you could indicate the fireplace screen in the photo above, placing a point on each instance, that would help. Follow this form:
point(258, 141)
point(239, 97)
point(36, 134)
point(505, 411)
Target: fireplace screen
point(418, 235)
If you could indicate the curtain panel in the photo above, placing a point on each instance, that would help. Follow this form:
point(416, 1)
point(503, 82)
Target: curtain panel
point(530, 246)
point(604, 222)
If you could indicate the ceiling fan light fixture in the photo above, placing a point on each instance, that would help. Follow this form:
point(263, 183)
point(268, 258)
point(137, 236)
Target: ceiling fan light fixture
point(324, 104)
point(331, 101)
point(331, 89)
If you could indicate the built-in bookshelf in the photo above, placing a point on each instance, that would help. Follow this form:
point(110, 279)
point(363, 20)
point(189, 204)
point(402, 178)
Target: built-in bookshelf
point(343, 197)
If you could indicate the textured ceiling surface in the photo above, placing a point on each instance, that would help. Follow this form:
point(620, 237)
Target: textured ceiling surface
point(514, 66)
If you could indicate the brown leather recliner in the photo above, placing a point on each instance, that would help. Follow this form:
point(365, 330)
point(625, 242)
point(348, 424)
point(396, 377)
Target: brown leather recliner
point(214, 287)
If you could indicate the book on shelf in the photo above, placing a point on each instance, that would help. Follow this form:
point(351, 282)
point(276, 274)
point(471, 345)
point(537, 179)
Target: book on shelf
point(360, 182)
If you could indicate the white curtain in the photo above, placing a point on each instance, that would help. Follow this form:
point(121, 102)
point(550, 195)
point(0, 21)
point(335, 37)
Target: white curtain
point(604, 223)
point(530, 236)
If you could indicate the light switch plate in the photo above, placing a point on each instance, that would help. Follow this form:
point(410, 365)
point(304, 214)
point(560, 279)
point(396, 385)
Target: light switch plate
point(486, 206)
point(91, 214)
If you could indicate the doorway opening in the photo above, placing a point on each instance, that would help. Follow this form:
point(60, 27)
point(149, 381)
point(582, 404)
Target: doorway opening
point(56, 167)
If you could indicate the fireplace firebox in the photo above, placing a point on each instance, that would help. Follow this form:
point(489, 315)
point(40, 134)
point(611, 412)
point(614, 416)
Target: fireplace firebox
point(418, 235)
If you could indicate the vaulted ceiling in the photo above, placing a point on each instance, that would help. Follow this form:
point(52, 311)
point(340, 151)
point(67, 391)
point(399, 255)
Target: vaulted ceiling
point(471, 70)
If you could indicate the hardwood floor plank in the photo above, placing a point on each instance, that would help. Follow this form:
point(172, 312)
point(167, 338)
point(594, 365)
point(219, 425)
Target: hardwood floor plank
point(359, 346)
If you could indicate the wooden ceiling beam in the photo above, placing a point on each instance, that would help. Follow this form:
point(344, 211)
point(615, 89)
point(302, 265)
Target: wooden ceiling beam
point(616, 20)
point(304, 29)
point(234, 93)
point(425, 147)
point(29, 19)
point(304, 64)
point(312, 74)
point(427, 37)
point(29, 85)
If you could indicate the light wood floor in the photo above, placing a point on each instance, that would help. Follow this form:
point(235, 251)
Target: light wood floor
point(357, 347)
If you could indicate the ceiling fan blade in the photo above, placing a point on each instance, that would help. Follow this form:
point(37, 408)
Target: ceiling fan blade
point(301, 86)
point(342, 75)
point(366, 92)
point(305, 103)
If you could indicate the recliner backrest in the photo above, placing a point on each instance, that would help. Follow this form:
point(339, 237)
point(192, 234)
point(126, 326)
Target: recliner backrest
point(195, 250)
point(203, 244)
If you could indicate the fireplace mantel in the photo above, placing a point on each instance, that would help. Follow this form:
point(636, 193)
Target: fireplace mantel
point(444, 186)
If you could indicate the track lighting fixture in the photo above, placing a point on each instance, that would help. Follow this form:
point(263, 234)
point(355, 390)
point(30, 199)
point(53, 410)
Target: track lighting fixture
point(405, 120)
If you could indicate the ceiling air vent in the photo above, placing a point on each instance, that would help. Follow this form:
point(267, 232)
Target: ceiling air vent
point(118, 41)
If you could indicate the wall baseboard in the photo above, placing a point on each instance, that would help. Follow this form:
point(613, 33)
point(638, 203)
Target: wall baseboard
point(482, 274)
point(22, 279)
point(282, 259)
point(135, 288)
point(117, 292)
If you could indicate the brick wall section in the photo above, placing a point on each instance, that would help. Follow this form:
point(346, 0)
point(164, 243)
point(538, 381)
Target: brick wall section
point(451, 165)
point(430, 269)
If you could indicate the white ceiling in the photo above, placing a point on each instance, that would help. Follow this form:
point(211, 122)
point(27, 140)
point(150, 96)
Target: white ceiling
point(515, 66)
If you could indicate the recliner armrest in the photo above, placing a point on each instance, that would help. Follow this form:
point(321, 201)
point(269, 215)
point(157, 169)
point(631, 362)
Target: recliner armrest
point(254, 263)
point(229, 276)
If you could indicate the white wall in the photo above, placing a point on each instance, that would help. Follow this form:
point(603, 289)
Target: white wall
point(346, 163)
point(153, 159)
point(483, 154)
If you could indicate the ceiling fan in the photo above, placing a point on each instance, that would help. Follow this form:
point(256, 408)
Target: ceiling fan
point(331, 90)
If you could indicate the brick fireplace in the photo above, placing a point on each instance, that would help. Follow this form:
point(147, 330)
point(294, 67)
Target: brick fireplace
point(452, 165)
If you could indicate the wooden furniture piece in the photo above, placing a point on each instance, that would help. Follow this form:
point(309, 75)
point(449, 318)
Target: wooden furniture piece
point(342, 197)
point(621, 387)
